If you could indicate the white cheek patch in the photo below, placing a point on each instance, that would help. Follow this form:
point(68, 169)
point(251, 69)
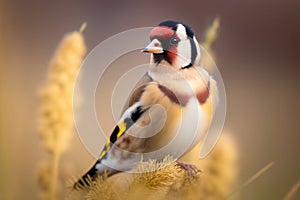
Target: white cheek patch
point(184, 53)
point(181, 32)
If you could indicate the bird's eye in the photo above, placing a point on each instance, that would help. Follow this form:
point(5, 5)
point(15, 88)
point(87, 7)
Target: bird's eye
point(174, 41)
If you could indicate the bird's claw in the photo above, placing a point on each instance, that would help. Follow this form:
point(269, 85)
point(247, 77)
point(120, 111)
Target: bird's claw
point(190, 168)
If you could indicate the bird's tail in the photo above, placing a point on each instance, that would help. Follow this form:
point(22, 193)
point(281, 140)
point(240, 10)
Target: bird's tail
point(97, 169)
point(87, 178)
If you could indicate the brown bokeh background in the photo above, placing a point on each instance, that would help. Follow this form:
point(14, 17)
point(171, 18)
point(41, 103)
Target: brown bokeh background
point(257, 53)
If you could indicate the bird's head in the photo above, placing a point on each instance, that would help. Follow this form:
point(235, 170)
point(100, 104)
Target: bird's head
point(173, 44)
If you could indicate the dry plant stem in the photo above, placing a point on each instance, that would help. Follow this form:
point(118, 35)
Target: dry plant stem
point(83, 27)
point(54, 177)
point(212, 33)
point(293, 191)
point(250, 180)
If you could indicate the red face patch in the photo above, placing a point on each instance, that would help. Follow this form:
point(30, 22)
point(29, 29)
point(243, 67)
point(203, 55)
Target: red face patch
point(172, 53)
point(161, 32)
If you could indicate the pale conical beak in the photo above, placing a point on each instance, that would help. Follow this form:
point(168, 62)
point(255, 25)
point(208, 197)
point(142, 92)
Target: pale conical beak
point(154, 47)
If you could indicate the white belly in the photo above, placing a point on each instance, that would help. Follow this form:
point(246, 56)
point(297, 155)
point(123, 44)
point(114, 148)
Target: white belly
point(172, 131)
point(188, 130)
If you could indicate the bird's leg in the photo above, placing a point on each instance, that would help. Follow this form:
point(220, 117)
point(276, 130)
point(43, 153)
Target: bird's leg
point(190, 168)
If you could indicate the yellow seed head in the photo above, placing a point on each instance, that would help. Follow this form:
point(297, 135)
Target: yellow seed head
point(55, 122)
point(56, 118)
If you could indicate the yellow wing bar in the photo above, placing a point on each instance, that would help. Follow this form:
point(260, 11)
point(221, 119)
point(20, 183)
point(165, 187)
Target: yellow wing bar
point(116, 134)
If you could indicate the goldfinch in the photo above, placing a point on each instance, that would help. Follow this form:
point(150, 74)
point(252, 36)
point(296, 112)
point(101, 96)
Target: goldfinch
point(169, 111)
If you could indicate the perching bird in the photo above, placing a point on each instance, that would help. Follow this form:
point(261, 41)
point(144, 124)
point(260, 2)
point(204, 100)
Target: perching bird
point(170, 110)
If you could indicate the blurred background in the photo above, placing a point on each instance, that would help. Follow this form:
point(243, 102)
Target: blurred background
point(257, 54)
